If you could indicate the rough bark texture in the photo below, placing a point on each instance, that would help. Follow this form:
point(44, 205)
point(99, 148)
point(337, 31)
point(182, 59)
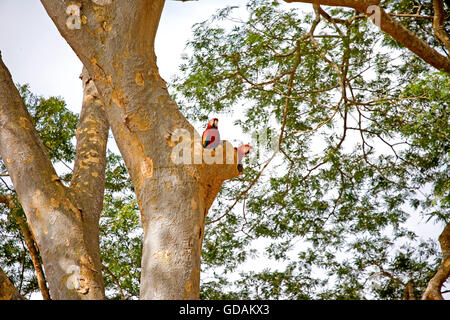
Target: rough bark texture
point(7, 289)
point(433, 290)
point(63, 221)
point(116, 45)
point(395, 29)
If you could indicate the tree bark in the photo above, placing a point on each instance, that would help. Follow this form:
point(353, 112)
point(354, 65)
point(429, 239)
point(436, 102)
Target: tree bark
point(408, 293)
point(394, 28)
point(63, 221)
point(115, 42)
point(7, 289)
point(438, 23)
point(433, 290)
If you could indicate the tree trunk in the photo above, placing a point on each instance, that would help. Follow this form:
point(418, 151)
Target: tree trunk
point(433, 290)
point(63, 221)
point(7, 289)
point(115, 42)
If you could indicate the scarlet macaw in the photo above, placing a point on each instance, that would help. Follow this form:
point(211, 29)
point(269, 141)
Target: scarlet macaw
point(242, 151)
point(211, 136)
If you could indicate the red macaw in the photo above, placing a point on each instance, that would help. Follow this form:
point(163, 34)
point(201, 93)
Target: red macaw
point(211, 136)
point(242, 151)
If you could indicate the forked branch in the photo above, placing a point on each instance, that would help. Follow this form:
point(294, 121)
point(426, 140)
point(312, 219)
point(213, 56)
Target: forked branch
point(396, 30)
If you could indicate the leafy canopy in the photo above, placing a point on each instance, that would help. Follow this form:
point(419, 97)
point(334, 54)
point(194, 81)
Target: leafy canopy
point(353, 140)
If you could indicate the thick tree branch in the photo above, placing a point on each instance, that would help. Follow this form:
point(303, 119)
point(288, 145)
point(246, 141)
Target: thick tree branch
point(88, 179)
point(408, 293)
point(438, 23)
point(19, 141)
point(54, 212)
point(394, 28)
point(444, 240)
point(7, 289)
point(433, 290)
point(412, 15)
point(360, 5)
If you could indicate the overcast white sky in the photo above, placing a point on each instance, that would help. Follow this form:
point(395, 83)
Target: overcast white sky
point(35, 53)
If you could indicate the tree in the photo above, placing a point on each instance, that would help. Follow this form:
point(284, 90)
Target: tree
point(173, 198)
point(359, 131)
point(175, 184)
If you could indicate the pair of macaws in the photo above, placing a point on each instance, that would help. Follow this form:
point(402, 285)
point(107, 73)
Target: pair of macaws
point(211, 139)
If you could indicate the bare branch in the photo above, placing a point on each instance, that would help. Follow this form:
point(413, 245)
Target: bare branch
point(88, 178)
point(31, 245)
point(357, 4)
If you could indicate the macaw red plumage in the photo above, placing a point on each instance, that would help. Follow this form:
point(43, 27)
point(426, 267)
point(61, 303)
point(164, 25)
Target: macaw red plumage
point(211, 136)
point(242, 151)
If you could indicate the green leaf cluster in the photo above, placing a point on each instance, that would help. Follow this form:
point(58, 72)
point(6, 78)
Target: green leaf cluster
point(364, 133)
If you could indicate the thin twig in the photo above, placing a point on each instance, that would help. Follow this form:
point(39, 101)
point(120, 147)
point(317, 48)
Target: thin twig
point(6, 185)
point(114, 279)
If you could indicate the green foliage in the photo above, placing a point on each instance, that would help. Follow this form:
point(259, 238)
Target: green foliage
point(55, 124)
point(336, 174)
point(14, 257)
point(364, 134)
point(121, 247)
point(120, 233)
